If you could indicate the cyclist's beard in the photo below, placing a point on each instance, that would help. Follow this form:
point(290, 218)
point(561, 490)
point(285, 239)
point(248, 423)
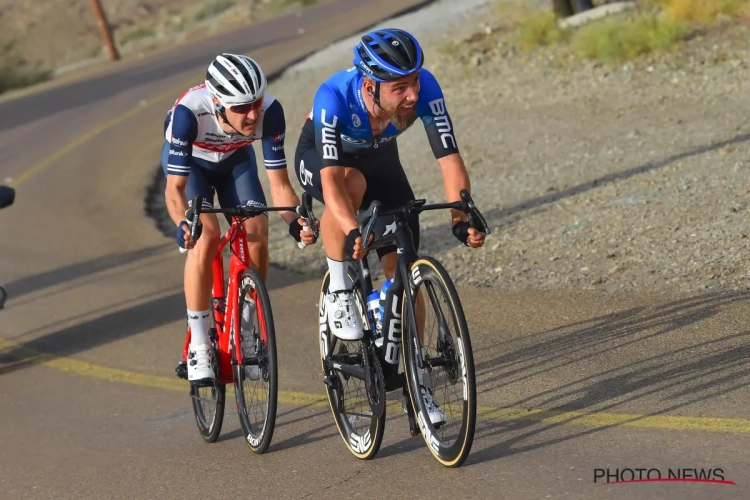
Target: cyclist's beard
point(400, 121)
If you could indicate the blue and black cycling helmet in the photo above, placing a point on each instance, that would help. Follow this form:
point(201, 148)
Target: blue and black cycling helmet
point(388, 54)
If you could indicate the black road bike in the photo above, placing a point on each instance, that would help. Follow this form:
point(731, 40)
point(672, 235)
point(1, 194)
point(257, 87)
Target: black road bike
point(436, 344)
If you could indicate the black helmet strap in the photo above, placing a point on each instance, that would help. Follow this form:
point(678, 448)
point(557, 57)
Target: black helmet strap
point(223, 114)
point(376, 95)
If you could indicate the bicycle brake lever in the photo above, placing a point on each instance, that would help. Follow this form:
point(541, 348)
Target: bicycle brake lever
point(306, 211)
point(369, 226)
point(193, 215)
point(476, 220)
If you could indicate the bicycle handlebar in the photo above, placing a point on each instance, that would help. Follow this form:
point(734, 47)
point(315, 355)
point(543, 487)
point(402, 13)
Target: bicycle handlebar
point(305, 211)
point(366, 219)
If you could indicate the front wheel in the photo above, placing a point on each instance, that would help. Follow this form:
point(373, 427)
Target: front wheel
point(352, 399)
point(256, 381)
point(443, 391)
point(208, 405)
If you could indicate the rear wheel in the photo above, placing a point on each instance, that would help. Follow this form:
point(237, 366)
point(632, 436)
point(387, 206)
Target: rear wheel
point(447, 375)
point(256, 378)
point(352, 399)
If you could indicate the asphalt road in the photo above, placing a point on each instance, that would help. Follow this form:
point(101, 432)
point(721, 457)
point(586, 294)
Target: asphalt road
point(568, 383)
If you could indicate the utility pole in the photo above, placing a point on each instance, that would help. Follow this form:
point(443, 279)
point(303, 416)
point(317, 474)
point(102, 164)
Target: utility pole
point(581, 5)
point(104, 30)
point(562, 8)
point(566, 8)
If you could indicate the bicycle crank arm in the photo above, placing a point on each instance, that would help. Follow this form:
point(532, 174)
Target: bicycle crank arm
point(352, 371)
point(435, 362)
point(413, 426)
point(248, 361)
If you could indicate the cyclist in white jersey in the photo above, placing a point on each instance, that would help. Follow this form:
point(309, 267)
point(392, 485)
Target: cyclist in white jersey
point(209, 134)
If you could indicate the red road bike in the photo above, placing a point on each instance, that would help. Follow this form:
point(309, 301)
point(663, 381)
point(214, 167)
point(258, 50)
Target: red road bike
point(245, 351)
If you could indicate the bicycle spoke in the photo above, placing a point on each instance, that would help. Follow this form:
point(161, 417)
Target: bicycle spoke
point(349, 398)
point(256, 384)
point(447, 413)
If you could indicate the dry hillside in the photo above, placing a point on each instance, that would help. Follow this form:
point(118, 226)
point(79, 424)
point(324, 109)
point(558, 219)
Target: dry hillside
point(54, 34)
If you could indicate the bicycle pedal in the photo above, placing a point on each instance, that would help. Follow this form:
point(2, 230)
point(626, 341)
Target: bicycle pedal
point(204, 382)
point(181, 370)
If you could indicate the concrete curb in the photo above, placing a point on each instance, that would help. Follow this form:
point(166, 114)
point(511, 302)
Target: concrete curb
point(597, 13)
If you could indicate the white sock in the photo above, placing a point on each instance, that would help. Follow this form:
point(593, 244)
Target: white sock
point(198, 324)
point(339, 275)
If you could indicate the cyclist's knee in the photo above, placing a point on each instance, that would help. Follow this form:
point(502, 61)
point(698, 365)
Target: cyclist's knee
point(257, 233)
point(208, 243)
point(388, 263)
point(356, 185)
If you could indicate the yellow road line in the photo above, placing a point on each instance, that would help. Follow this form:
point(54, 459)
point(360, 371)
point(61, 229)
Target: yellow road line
point(83, 139)
point(663, 422)
point(13, 354)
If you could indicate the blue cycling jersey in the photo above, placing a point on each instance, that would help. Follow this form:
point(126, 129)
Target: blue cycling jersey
point(342, 123)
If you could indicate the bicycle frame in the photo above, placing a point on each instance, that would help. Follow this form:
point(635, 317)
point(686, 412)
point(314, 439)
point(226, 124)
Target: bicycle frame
point(225, 308)
point(403, 240)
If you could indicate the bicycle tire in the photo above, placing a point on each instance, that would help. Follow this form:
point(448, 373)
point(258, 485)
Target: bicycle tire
point(363, 446)
point(258, 437)
point(210, 430)
point(422, 271)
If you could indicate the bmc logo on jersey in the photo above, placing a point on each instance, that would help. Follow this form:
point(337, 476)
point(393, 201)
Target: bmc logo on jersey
point(443, 122)
point(328, 137)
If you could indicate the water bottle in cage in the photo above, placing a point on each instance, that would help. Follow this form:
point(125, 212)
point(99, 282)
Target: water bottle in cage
point(373, 314)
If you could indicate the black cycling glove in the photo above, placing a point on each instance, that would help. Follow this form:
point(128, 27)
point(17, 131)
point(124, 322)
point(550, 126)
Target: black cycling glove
point(180, 236)
point(295, 230)
point(461, 231)
point(351, 240)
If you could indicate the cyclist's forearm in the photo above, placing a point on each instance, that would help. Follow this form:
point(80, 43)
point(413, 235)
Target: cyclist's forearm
point(337, 198)
point(176, 203)
point(455, 178)
point(283, 194)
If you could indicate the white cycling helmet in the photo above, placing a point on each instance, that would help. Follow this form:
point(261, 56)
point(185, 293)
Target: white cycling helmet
point(235, 79)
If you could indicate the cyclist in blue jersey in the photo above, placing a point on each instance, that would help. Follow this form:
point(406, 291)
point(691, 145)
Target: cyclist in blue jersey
point(347, 156)
point(208, 147)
